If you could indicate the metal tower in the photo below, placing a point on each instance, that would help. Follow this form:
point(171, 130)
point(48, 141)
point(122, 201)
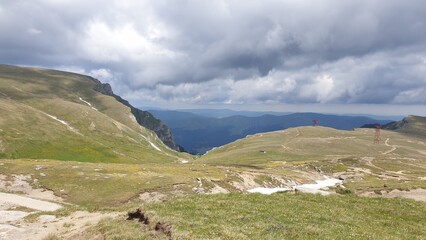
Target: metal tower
point(377, 137)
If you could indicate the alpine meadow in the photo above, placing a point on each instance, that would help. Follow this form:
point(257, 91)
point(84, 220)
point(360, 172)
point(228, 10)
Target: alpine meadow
point(64, 142)
point(213, 119)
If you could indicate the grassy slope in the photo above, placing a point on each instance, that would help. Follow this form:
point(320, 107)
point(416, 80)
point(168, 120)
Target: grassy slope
point(303, 144)
point(100, 185)
point(335, 153)
point(96, 174)
point(416, 126)
point(292, 216)
point(108, 134)
point(303, 216)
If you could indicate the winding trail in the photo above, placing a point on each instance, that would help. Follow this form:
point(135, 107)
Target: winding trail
point(392, 146)
point(298, 133)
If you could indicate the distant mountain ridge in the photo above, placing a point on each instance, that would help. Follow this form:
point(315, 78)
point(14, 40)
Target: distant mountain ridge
point(198, 134)
point(411, 125)
point(222, 113)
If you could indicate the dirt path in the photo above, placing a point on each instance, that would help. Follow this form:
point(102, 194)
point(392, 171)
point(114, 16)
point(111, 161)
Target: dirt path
point(392, 146)
point(14, 226)
point(297, 133)
point(69, 227)
point(14, 199)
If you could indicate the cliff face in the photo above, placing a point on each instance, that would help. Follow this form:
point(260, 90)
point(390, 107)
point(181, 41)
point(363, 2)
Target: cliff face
point(144, 118)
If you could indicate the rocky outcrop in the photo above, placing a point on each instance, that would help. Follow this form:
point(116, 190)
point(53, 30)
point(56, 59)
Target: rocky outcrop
point(397, 125)
point(144, 118)
point(103, 88)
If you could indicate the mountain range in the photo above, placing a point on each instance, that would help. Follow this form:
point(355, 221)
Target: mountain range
point(198, 134)
point(68, 142)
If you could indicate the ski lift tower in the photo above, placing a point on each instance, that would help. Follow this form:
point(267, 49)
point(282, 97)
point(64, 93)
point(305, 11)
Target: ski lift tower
point(377, 137)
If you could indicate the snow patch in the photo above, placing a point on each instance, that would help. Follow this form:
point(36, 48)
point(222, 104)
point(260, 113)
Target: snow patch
point(132, 117)
point(329, 182)
point(64, 123)
point(153, 145)
point(309, 188)
point(86, 102)
point(268, 191)
point(59, 120)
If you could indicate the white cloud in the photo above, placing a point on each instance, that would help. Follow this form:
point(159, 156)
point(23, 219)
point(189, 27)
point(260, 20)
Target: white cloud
point(320, 89)
point(102, 74)
point(270, 88)
point(34, 31)
point(411, 96)
point(105, 43)
point(271, 52)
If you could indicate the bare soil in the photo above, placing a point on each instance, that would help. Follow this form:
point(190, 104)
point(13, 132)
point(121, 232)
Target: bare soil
point(415, 194)
point(15, 207)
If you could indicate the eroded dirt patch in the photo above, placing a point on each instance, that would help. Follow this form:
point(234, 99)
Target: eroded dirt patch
point(152, 197)
point(164, 228)
point(21, 184)
point(65, 227)
point(415, 194)
point(159, 227)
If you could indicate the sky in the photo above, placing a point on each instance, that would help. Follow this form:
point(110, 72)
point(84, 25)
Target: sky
point(331, 56)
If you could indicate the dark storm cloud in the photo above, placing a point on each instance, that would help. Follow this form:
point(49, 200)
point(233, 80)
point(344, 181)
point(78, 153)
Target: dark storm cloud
point(217, 51)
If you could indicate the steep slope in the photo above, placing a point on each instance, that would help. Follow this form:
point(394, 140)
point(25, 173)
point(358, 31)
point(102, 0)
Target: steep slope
point(49, 114)
point(144, 118)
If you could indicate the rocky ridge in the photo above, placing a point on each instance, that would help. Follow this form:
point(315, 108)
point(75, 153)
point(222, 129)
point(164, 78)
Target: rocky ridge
point(143, 118)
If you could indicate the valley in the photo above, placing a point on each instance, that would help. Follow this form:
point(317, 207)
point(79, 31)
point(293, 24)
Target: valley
point(66, 144)
point(198, 134)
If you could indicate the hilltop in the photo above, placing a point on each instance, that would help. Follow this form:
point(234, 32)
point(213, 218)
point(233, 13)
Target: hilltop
point(51, 114)
point(352, 154)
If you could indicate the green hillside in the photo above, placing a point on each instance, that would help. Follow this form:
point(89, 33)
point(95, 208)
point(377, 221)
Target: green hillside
point(59, 136)
point(49, 114)
point(397, 162)
point(410, 125)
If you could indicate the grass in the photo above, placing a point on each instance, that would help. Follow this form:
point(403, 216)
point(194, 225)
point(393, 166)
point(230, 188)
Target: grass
point(105, 134)
point(118, 229)
point(107, 161)
point(292, 216)
point(100, 185)
point(332, 151)
point(297, 144)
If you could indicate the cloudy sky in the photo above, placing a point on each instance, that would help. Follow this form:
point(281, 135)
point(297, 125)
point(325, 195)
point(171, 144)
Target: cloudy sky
point(360, 56)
